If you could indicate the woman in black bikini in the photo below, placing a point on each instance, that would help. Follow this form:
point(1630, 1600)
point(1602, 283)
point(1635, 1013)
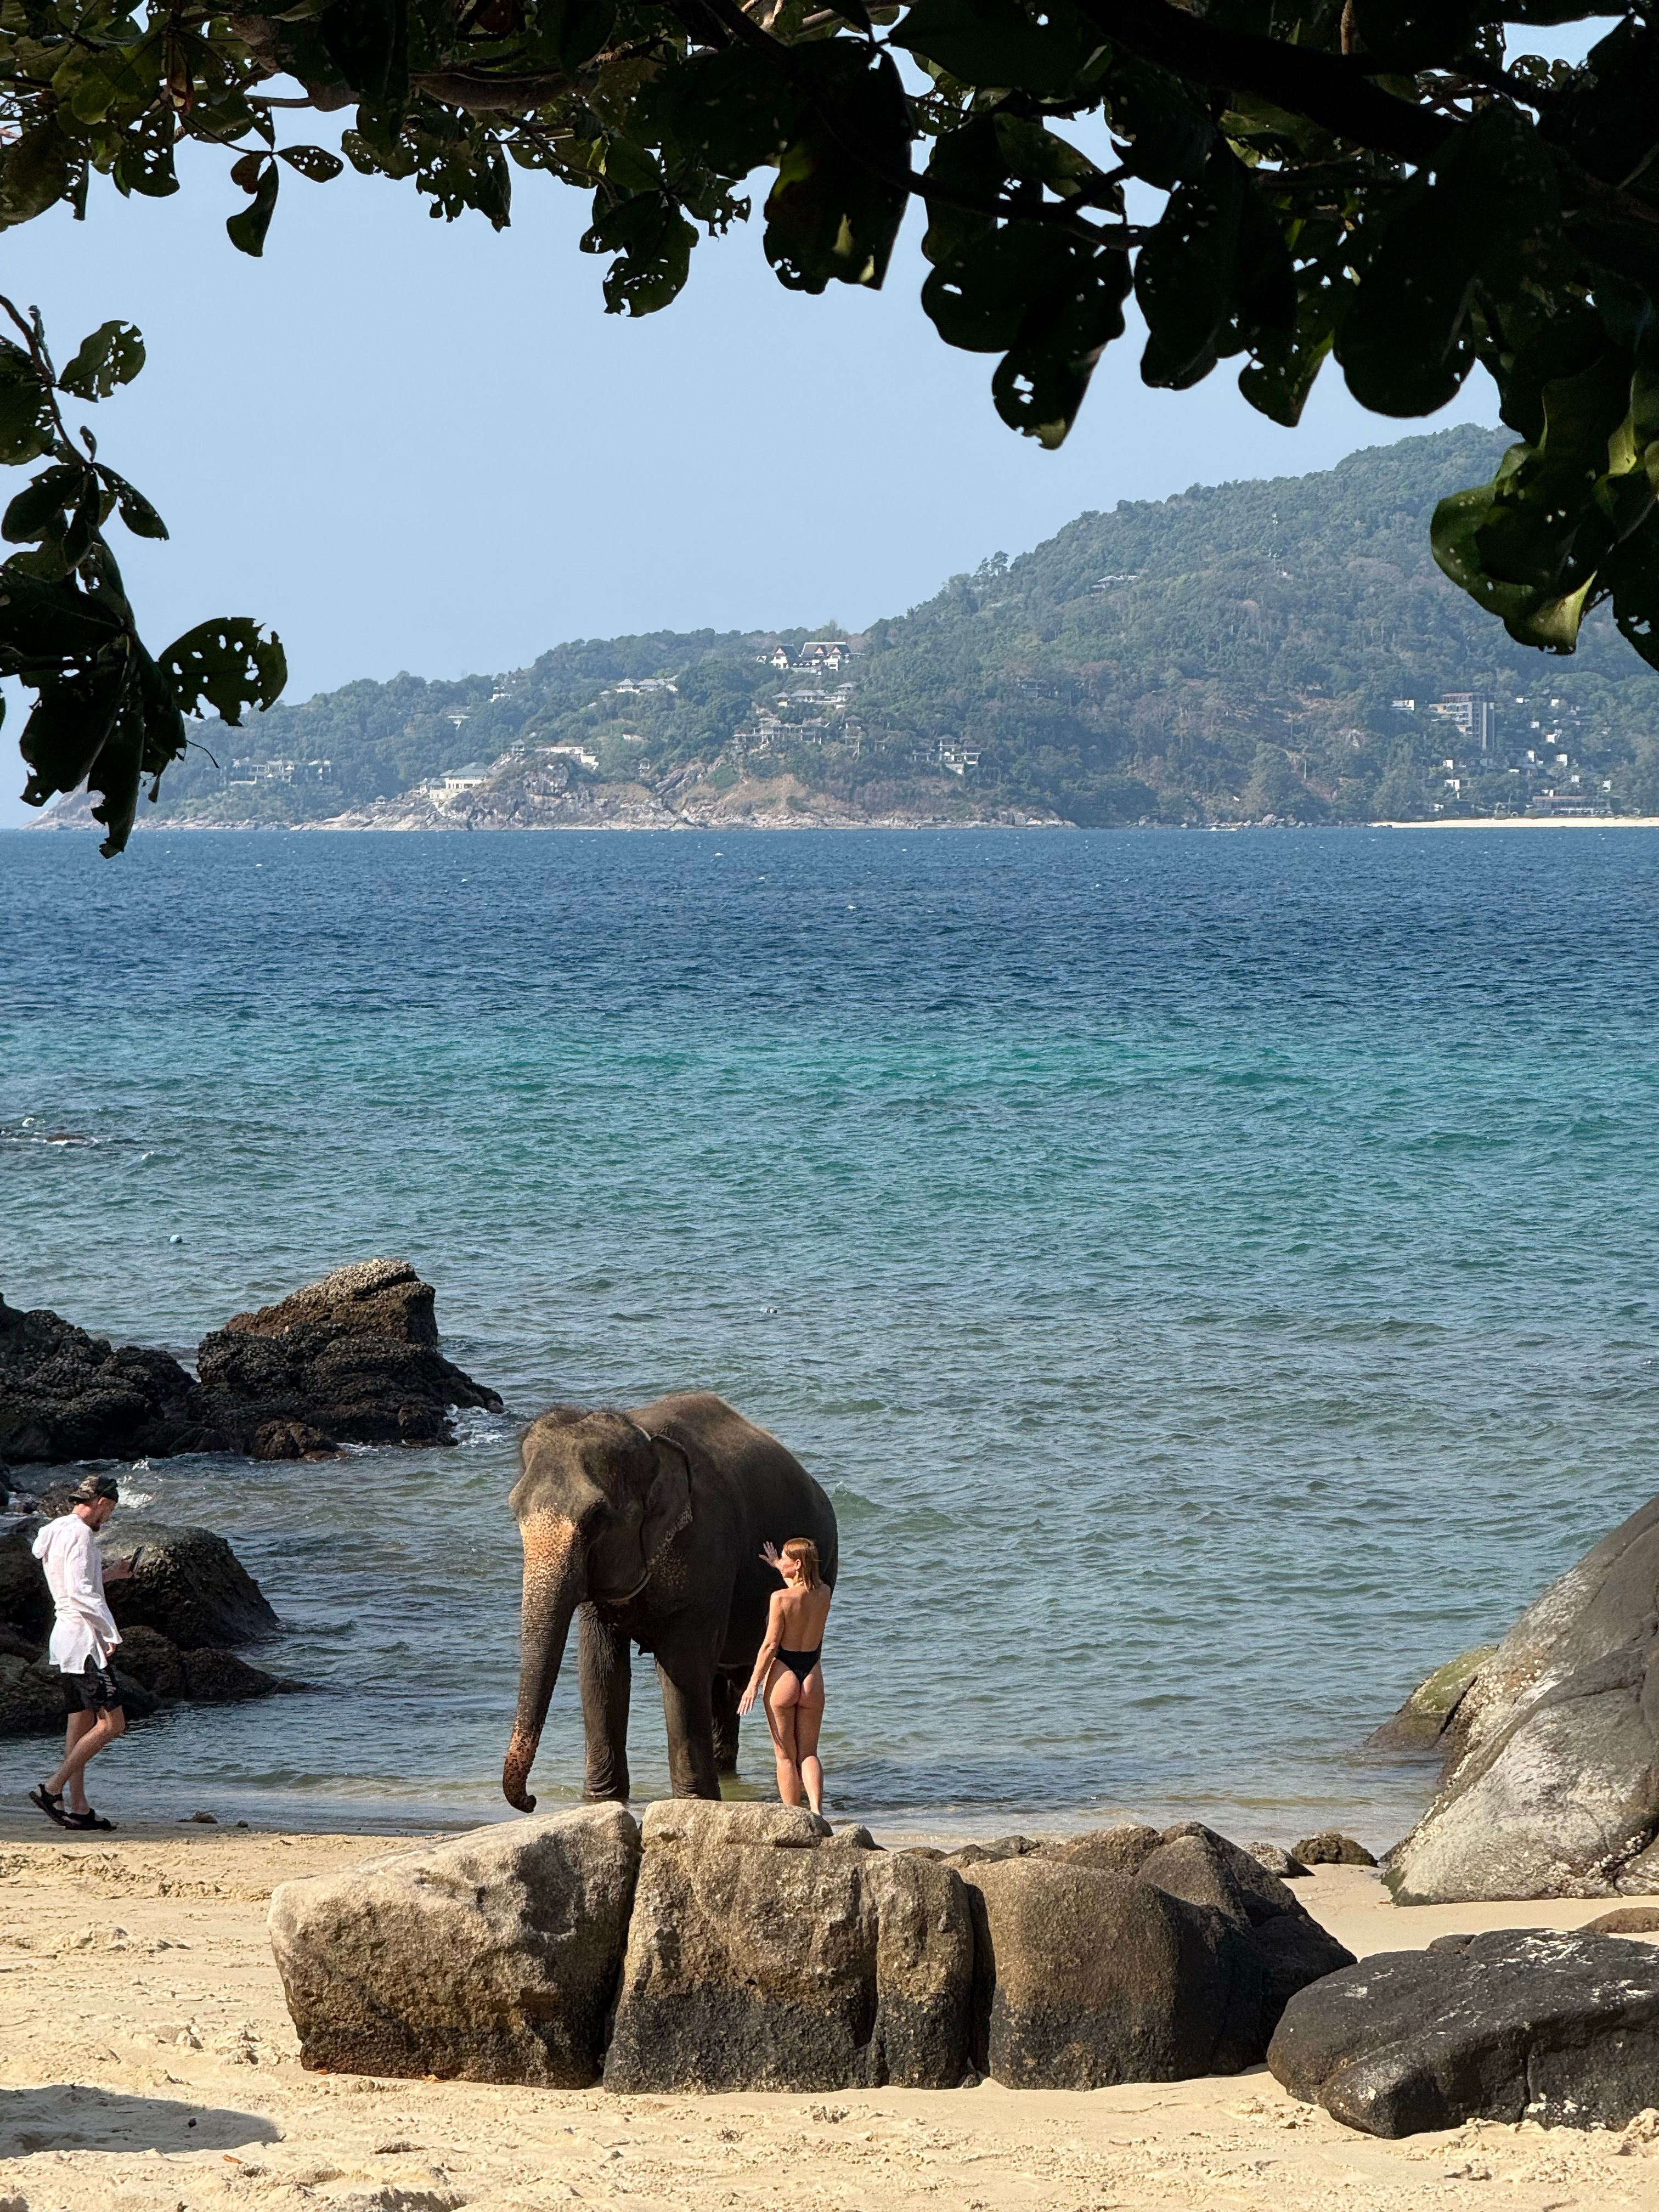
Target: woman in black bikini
point(788, 1667)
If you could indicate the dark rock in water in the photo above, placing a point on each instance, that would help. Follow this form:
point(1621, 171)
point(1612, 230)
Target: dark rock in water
point(352, 1358)
point(291, 1440)
point(65, 1395)
point(153, 1660)
point(492, 1957)
point(371, 1297)
point(17, 1645)
point(1430, 1719)
point(1330, 1847)
point(1085, 1977)
point(1517, 2024)
point(765, 1952)
point(189, 1586)
point(1627, 1920)
point(25, 1600)
point(204, 1676)
point(219, 1678)
point(1277, 1860)
point(30, 1699)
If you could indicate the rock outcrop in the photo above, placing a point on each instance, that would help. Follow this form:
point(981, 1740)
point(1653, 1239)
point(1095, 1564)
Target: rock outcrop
point(1517, 2024)
point(353, 1358)
point(493, 1958)
point(66, 1395)
point(1330, 1847)
point(1554, 1788)
point(1087, 1978)
point(190, 1598)
point(1428, 1721)
point(188, 1585)
point(767, 1951)
point(1130, 1954)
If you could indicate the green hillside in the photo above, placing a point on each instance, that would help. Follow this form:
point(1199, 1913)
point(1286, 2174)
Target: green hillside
point(1235, 653)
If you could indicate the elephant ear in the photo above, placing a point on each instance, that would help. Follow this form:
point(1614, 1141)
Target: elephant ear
point(668, 1501)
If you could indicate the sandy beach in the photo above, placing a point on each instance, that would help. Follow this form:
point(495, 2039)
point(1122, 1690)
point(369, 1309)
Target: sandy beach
point(149, 2064)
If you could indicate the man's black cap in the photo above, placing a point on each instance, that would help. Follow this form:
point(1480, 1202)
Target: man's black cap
point(96, 1486)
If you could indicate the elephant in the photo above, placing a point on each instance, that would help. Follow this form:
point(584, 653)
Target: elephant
point(648, 1525)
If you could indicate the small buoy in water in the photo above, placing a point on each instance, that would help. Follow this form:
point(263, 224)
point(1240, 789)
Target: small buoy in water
point(175, 1240)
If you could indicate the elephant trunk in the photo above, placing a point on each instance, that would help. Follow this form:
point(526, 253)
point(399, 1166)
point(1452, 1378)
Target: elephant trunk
point(555, 1584)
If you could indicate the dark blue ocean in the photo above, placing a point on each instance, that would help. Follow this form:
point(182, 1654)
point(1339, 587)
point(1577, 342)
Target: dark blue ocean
point(1217, 1277)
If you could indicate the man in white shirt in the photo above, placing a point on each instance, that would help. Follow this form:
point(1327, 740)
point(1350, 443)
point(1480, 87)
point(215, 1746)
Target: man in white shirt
point(83, 1637)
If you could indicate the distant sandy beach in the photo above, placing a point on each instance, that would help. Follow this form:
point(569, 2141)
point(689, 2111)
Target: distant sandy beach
point(147, 2062)
point(1530, 822)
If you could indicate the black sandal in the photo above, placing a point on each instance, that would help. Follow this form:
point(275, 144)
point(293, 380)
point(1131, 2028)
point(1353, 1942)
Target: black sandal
point(86, 1819)
point(50, 1802)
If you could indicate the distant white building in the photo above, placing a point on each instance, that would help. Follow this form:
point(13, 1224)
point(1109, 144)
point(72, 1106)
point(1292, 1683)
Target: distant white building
point(958, 759)
point(1477, 718)
point(473, 777)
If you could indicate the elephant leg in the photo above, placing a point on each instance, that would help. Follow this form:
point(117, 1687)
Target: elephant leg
point(687, 1689)
point(725, 1724)
point(607, 1674)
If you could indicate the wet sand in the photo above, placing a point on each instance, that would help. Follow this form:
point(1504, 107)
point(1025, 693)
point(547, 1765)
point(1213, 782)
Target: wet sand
point(146, 2062)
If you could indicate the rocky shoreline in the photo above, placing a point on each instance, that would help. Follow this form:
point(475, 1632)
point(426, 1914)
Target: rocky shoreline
point(353, 1358)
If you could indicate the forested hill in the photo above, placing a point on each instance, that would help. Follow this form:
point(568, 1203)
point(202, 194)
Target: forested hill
point(1234, 653)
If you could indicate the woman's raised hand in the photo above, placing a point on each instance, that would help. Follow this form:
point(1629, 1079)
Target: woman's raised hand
point(771, 1554)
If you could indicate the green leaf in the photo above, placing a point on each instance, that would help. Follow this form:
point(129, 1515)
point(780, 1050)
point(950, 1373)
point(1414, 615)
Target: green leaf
point(313, 161)
point(228, 663)
point(1041, 48)
point(50, 626)
point(39, 167)
point(69, 726)
point(247, 231)
point(978, 300)
point(653, 243)
point(1491, 212)
point(137, 513)
point(835, 211)
point(1039, 156)
point(1169, 135)
point(1215, 262)
point(39, 508)
point(721, 109)
point(1040, 384)
point(114, 354)
point(26, 428)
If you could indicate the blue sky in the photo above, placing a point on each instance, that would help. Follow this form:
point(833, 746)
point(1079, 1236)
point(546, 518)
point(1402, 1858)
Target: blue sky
point(414, 445)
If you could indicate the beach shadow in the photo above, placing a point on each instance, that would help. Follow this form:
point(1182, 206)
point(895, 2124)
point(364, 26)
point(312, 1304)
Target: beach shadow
point(77, 2116)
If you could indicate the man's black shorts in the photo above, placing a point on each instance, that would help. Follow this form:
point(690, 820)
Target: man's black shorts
point(93, 1690)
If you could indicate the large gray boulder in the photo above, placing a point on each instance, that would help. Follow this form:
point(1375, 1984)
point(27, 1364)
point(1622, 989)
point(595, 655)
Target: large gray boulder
point(189, 1586)
point(491, 1957)
point(1554, 1790)
point(1086, 1977)
point(1193, 1862)
point(768, 1953)
point(1517, 2024)
point(352, 1358)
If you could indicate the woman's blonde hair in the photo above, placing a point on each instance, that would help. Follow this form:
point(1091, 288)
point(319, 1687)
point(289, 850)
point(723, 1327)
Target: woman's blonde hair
point(804, 1553)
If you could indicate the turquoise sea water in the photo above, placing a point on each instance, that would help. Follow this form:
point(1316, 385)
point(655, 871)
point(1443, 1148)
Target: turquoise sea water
point(1215, 1276)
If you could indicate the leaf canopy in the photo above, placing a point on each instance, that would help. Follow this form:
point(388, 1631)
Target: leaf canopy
point(1395, 185)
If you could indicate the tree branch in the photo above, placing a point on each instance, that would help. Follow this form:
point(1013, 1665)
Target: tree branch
point(1327, 88)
